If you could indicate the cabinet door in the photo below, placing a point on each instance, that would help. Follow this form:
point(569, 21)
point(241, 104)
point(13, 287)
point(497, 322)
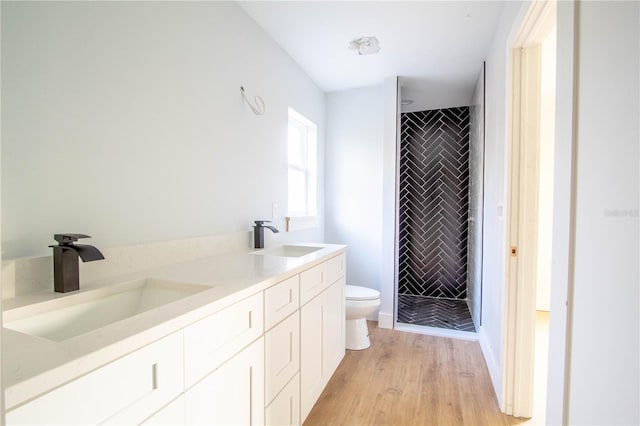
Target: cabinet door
point(282, 355)
point(334, 327)
point(311, 353)
point(231, 395)
point(285, 409)
point(322, 322)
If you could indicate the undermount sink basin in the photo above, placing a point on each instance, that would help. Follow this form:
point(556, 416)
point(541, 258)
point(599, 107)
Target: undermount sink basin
point(69, 316)
point(288, 251)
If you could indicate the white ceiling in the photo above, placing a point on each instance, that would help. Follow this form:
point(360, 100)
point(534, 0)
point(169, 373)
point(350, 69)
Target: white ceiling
point(436, 47)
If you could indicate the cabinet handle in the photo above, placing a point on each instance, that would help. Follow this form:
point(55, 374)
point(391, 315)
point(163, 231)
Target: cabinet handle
point(287, 303)
point(154, 376)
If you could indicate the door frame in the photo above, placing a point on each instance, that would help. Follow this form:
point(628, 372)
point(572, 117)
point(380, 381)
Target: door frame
point(522, 205)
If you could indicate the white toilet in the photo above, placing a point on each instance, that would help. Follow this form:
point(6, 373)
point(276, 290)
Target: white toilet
point(360, 302)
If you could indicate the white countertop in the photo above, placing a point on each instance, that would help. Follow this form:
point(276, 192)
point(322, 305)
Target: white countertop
point(34, 365)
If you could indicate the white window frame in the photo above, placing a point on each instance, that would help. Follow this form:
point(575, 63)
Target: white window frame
point(308, 165)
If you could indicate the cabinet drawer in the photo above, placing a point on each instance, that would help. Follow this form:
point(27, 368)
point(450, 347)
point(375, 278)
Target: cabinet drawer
point(125, 391)
point(282, 355)
point(211, 341)
point(336, 268)
point(312, 282)
point(280, 301)
point(285, 409)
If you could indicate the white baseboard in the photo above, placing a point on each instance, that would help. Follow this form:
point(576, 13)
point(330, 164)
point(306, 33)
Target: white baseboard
point(385, 320)
point(494, 368)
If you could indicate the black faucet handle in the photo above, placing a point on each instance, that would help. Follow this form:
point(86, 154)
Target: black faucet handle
point(261, 222)
point(69, 238)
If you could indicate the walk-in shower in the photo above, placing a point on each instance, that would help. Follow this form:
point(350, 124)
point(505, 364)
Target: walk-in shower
point(439, 243)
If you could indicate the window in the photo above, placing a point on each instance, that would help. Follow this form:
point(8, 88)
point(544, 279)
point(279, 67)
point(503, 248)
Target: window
point(302, 166)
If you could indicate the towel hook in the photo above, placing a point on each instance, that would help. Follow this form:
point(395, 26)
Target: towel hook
point(258, 108)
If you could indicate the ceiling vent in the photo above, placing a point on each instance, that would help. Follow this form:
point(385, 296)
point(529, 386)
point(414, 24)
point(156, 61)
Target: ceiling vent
point(365, 45)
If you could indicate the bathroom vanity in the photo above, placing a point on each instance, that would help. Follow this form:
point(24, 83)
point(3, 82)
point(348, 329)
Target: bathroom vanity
point(254, 340)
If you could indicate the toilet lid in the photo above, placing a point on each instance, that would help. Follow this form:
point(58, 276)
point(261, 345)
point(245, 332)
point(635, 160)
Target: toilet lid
point(354, 292)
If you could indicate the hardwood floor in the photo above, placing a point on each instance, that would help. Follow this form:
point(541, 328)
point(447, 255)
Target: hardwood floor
point(410, 379)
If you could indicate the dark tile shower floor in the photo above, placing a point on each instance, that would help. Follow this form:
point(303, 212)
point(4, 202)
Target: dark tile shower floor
point(433, 312)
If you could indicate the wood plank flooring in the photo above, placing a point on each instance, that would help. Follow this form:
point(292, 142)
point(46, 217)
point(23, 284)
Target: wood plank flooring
point(410, 379)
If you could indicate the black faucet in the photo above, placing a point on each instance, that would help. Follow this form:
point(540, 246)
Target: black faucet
point(66, 276)
point(258, 232)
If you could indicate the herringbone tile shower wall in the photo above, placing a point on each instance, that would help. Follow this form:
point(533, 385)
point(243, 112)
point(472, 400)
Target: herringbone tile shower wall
point(434, 200)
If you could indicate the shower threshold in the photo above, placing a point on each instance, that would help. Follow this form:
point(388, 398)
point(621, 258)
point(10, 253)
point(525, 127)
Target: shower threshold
point(449, 314)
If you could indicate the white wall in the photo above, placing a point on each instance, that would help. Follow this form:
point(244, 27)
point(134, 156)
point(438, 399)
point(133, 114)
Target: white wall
point(125, 121)
point(605, 367)
point(562, 182)
point(353, 179)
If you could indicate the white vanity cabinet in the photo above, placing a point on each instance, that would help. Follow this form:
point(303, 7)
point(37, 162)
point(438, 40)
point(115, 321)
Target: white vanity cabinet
point(264, 359)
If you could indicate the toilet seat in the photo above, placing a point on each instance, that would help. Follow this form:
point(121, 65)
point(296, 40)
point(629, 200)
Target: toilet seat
point(354, 292)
